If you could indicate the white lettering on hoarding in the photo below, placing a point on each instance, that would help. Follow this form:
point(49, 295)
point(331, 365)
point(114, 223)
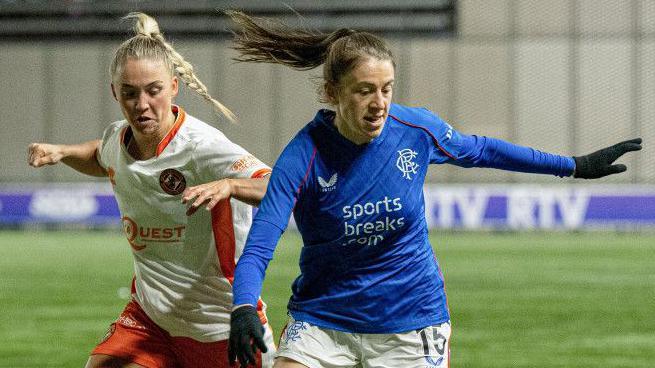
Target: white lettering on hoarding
point(527, 207)
point(472, 205)
point(574, 208)
point(63, 204)
point(520, 209)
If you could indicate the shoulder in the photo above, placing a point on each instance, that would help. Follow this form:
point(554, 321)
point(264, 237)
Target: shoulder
point(440, 133)
point(196, 130)
point(214, 154)
point(298, 154)
point(110, 143)
point(205, 138)
point(113, 132)
point(419, 117)
point(115, 127)
point(304, 141)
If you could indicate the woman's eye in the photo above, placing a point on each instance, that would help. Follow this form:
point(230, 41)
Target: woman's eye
point(128, 94)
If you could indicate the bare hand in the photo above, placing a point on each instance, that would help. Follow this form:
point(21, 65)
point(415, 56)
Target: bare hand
point(208, 194)
point(39, 154)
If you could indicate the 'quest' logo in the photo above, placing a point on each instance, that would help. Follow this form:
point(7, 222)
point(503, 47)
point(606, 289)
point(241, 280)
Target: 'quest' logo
point(138, 235)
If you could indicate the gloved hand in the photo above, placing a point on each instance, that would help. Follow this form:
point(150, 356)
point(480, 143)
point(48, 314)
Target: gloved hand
point(598, 164)
point(246, 336)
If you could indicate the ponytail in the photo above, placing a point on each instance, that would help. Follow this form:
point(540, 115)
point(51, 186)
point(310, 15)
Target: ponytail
point(301, 49)
point(278, 43)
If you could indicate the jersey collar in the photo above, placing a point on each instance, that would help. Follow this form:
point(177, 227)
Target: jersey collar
point(180, 116)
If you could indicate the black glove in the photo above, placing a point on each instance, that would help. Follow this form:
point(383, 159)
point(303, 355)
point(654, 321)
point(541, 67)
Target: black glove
point(598, 164)
point(246, 335)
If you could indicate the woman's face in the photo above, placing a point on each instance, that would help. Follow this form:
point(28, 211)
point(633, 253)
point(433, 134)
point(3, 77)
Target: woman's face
point(145, 90)
point(362, 99)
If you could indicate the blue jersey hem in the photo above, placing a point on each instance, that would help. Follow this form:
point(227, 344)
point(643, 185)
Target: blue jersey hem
point(400, 328)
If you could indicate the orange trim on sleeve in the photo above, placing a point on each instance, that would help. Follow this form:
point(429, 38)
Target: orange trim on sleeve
point(223, 230)
point(181, 115)
point(260, 173)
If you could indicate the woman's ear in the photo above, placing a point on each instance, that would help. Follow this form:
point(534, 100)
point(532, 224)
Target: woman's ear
point(113, 92)
point(174, 86)
point(331, 93)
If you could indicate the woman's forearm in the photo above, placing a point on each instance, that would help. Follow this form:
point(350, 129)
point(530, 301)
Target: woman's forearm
point(83, 158)
point(250, 191)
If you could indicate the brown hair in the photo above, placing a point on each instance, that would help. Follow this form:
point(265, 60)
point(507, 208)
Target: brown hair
point(274, 42)
point(149, 43)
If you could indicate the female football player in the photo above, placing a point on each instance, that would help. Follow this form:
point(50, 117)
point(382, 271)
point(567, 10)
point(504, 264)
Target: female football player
point(157, 159)
point(370, 291)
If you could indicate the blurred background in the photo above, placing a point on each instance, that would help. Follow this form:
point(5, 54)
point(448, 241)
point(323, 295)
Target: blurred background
point(563, 76)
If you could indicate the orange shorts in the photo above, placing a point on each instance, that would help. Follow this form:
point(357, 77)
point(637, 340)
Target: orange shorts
point(135, 338)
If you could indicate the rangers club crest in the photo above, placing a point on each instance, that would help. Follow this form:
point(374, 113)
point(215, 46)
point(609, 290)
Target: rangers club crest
point(405, 163)
point(172, 181)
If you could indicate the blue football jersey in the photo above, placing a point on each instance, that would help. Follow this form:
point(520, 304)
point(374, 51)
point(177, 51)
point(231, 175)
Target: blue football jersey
point(366, 264)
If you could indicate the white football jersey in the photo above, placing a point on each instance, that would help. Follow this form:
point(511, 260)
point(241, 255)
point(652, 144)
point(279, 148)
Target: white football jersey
point(183, 265)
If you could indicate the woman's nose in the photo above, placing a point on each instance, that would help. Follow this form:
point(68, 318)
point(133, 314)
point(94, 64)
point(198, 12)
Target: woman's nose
point(378, 100)
point(142, 102)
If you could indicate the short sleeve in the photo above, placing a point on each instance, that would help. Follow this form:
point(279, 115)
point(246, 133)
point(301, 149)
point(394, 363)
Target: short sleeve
point(220, 158)
point(110, 142)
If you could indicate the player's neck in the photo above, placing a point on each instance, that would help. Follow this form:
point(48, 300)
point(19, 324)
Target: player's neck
point(144, 146)
point(143, 150)
point(347, 132)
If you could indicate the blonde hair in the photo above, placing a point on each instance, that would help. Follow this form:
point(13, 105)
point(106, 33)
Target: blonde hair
point(149, 43)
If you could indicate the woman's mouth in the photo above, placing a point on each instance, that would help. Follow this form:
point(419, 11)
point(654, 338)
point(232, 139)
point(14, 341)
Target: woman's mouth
point(143, 119)
point(374, 120)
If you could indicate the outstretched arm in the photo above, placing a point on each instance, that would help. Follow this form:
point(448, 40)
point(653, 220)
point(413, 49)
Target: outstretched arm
point(496, 153)
point(81, 157)
point(466, 150)
point(480, 151)
point(248, 190)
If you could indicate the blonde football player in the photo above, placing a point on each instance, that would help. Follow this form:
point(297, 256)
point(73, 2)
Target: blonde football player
point(158, 159)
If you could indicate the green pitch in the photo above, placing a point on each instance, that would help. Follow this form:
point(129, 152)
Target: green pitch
point(517, 299)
